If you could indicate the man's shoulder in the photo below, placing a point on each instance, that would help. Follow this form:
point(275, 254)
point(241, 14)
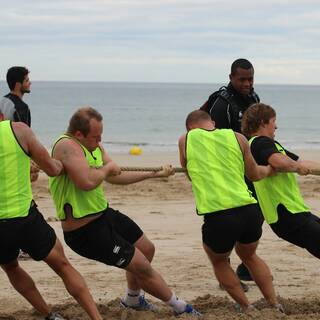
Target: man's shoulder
point(6, 100)
point(7, 107)
point(221, 97)
point(262, 143)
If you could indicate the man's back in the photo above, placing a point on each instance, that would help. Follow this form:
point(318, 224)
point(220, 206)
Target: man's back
point(15, 187)
point(215, 165)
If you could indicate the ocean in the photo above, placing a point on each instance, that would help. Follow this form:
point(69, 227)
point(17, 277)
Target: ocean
point(152, 115)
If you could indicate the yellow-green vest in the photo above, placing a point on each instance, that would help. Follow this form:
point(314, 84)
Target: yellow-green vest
point(15, 185)
point(64, 191)
point(216, 168)
point(283, 189)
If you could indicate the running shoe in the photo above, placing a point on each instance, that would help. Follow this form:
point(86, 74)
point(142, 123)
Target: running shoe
point(279, 307)
point(143, 305)
point(190, 310)
point(54, 316)
point(240, 309)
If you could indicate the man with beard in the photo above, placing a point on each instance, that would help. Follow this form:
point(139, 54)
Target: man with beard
point(12, 106)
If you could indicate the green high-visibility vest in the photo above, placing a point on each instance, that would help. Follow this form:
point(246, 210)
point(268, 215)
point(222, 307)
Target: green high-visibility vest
point(15, 185)
point(216, 168)
point(64, 191)
point(282, 189)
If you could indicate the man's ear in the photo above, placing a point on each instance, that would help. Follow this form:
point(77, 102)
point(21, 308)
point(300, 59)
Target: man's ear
point(1, 116)
point(78, 135)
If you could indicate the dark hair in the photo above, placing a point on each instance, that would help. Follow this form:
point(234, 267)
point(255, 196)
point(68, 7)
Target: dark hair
point(16, 74)
point(80, 121)
point(240, 63)
point(195, 117)
point(254, 116)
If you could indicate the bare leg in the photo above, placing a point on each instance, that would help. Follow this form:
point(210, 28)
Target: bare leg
point(147, 249)
point(226, 276)
point(259, 270)
point(147, 278)
point(24, 284)
point(72, 279)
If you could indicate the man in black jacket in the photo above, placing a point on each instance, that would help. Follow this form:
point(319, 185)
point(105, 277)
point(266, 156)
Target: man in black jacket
point(226, 107)
point(12, 106)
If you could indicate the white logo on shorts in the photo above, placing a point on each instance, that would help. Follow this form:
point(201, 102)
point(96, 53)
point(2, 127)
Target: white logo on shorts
point(121, 262)
point(116, 249)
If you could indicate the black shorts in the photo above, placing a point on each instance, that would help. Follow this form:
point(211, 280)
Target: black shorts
point(109, 239)
point(221, 230)
point(301, 229)
point(32, 234)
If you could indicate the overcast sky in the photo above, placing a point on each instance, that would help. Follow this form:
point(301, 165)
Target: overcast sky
point(161, 41)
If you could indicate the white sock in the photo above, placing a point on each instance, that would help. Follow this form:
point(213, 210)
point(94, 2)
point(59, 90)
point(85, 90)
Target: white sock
point(131, 297)
point(177, 304)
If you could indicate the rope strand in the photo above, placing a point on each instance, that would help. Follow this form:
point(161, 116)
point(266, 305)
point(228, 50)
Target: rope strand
point(176, 169)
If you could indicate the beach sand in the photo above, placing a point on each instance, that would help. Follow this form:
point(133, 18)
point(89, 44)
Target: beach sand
point(164, 208)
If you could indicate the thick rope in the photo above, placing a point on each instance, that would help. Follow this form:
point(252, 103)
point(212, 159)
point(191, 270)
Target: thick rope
point(176, 169)
point(313, 171)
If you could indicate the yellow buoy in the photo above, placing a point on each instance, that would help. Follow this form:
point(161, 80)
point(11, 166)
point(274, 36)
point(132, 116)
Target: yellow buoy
point(135, 150)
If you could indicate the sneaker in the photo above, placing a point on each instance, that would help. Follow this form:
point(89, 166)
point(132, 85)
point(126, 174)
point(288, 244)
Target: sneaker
point(240, 309)
point(189, 310)
point(143, 305)
point(279, 307)
point(243, 273)
point(54, 316)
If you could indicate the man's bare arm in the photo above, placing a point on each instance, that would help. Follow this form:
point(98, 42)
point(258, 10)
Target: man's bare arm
point(76, 166)
point(36, 150)
point(182, 153)
point(283, 163)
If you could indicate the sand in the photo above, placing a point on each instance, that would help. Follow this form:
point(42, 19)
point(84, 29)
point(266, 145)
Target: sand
point(164, 208)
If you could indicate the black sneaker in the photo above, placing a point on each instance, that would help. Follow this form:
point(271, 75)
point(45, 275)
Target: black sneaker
point(243, 273)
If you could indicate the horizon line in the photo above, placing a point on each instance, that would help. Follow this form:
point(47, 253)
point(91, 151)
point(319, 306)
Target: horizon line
point(169, 82)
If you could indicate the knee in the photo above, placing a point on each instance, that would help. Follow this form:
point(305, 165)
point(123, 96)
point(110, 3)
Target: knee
point(146, 247)
point(149, 251)
point(143, 268)
point(10, 267)
point(248, 259)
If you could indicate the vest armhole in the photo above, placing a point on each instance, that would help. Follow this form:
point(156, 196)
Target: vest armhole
point(18, 142)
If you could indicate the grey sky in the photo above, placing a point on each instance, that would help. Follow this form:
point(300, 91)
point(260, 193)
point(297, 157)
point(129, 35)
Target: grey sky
point(163, 40)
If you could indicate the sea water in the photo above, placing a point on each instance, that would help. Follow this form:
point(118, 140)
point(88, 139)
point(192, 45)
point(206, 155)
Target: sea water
point(152, 115)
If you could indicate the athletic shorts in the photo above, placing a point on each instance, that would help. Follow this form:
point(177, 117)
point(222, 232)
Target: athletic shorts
point(109, 239)
point(301, 229)
point(32, 234)
point(221, 230)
